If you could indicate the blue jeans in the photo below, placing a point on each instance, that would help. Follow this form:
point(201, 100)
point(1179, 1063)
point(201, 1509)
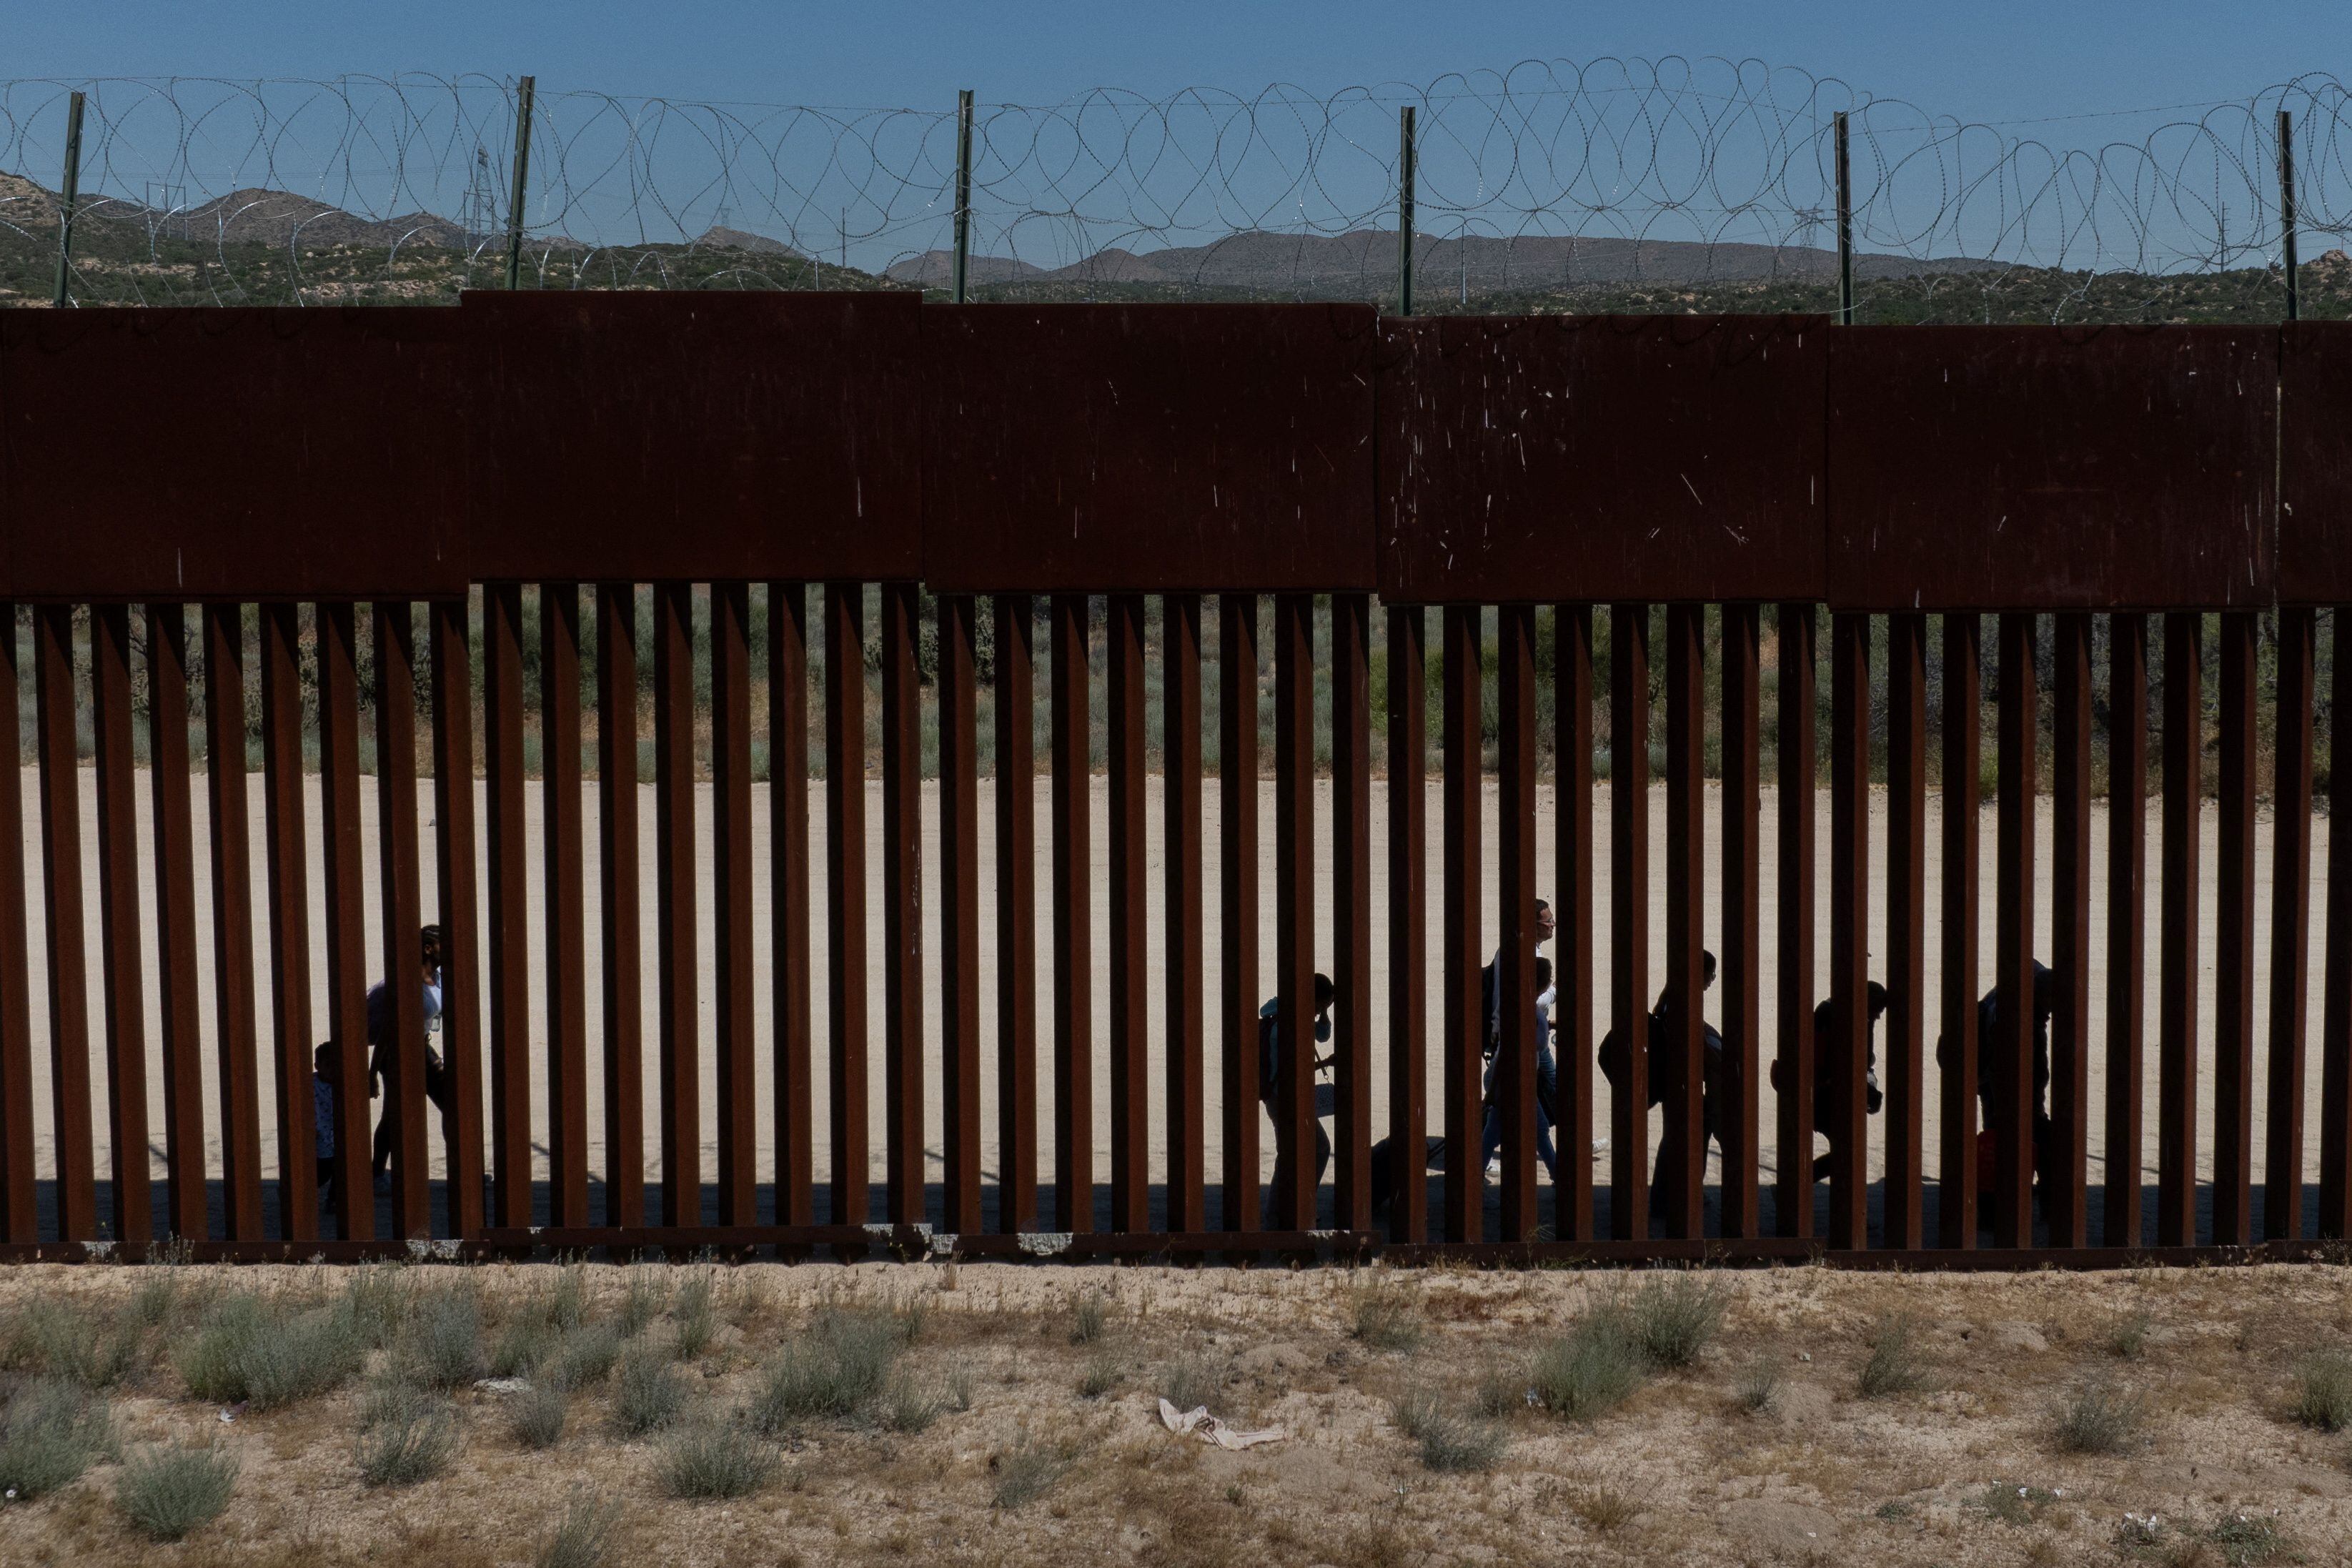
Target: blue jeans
point(1546, 1080)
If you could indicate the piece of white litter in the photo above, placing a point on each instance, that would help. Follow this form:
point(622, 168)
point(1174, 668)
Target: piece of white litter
point(504, 1386)
point(1212, 1430)
point(229, 1413)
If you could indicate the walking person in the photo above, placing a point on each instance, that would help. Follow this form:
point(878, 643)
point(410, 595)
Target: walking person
point(1546, 1087)
point(437, 1086)
point(1662, 1075)
point(1833, 1069)
point(1270, 1048)
point(1990, 1027)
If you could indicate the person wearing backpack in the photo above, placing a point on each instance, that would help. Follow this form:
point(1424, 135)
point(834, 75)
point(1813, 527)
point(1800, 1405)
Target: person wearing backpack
point(1663, 1067)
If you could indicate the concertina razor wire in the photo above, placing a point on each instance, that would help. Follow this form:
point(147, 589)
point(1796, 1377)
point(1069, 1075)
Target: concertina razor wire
point(1664, 185)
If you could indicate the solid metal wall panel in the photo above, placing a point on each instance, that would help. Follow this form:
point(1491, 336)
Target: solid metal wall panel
point(2314, 552)
point(1149, 449)
point(2027, 467)
point(257, 453)
point(694, 437)
point(1652, 459)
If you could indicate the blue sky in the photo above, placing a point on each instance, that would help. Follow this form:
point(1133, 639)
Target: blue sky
point(2072, 92)
point(1992, 61)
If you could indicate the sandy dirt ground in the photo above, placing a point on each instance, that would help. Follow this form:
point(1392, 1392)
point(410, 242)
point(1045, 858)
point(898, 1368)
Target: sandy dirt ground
point(2144, 1160)
point(1968, 1465)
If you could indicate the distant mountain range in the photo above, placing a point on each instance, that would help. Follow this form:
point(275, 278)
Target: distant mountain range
point(280, 218)
point(1253, 260)
point(1257, 259)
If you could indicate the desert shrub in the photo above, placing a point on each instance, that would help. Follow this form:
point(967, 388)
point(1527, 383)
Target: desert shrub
point(1412, 1410)
point(648, 1393)
point(1894, 1366)
point(1759, 1385)
point(1098, 1376)
point(909, 1318)
point(1448, 1441)
point(2014, 1504)
point(711, 1459)
point(50, 1432)
point(580, 1538)
point(643, 1297)
point(1190, 1380)
point(407, 1435)
point(695, 1316)
point(377, 1299)
point(524, 1346)
point(169, 1492)
point(956, 1388)
point(1591, 1370)
point(1088, 1317)
point(1605, 1509)
point(2324, 1390)
point(160, 1278)
point(909, 1405)
point(246, 1349)
point(1022, 1475)
point(535, 1416)
point(564, 1305)
point(1457, 1444)
point(834, 1372)
point(584, 1357)
point(2098, 1418)
point(2246, 1538)
point(1384, 1312)
point(440, 1346)
point(2128, 1339)
point(80, 1342)
point(1675, 1314)
point(1502, 1390)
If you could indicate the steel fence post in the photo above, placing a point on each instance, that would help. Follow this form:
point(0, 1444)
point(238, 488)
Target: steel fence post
point(524, 92)
point(71, 194)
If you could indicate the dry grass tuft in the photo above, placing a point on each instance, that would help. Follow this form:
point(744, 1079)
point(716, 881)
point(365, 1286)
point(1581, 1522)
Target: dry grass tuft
point(835, 1372)
point(1385, 1311)
point(263, 1353)
point(1022, 1475)
point(80, 1343)
point(1192, 1380)
point(1676, 1314)
point(407, 1435)
point(1895, 1364)
point(709, 1460)
point(648, 1394)
point(1605, 1509)
point(1759, 1393)
point(536, 1417)
point(2099, 1418)
point(1099, 1377)
point(168, 1493)
point(581, 1536)
point(1591, 1369)
point(2324, 1390)
point(440, 1344)
point(695, 1318)
point(1088, 1317)
point(50, 1432)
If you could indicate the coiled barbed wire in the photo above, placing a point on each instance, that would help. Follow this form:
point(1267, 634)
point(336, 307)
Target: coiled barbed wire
point(1664, 184)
